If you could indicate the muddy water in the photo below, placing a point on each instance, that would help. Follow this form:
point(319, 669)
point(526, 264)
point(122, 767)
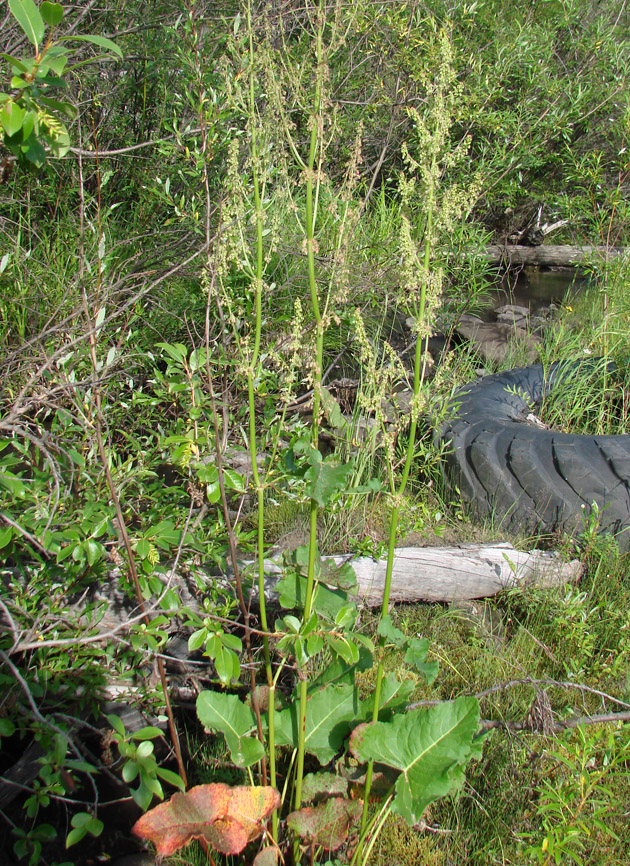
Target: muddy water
point(534, 288)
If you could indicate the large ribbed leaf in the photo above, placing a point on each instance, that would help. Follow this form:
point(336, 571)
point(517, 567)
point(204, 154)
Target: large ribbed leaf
point(329, 715)
point(430, 747)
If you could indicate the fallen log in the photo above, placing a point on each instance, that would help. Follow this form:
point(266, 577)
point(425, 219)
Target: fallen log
point(444, 574)
point(429, 574)
point(432, 574)
point(563, 255)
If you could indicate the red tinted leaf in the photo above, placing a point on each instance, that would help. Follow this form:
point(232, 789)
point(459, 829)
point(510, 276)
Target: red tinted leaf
point(227, 818)
point(327, 824)
point(321, 786)
point(269, 856)
point(356, 738)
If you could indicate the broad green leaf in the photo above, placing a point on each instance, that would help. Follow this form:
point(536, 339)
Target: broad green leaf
point(58, 65)
point(343, 647)
point(325, 480)
point(62, 107)
point(234, 481)
point(429, 746)
point(12, 483)
point(34, 151)
point(342, 576)
point(172, 778)
point(332, 410)
point(101, 41)
point(13, 61)
point(28, 17)
point(346, 617)
point(314, 645)
point(213, 492)
point(117, 724)
point(94, 550)
point(165, 534)
point(149, 732)
point(176, 351)
point(12, 118)
point(340, 672)
point(229, 715)
point(227, 665)
point(208, 474)
point(59, 143)
point(389, 631)
point(198, 357)
point(6, 534)
point(330, 712)
point(75, 836)
point(7, 728)
point(197, 639)
point(52, 13)
point(143, 548)
point(233, 642)
point(29, 124)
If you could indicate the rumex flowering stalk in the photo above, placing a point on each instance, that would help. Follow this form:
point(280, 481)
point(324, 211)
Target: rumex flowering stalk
point(421, 280)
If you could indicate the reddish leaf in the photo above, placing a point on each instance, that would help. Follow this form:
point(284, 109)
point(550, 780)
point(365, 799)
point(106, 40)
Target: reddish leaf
point(328, 823)
point(227, 818)
point(356, 738)
point(269, 856)
point(321, 786)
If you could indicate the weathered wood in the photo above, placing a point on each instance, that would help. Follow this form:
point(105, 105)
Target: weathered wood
point(432, 574)
point(453, 573)
point(550, 256)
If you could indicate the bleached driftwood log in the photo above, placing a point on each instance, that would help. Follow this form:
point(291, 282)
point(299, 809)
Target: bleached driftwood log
point(454, 573)
point(562, 255)
point(431, 574)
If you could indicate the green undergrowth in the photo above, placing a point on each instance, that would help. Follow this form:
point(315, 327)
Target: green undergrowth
point(533, 796)
point(176, 324)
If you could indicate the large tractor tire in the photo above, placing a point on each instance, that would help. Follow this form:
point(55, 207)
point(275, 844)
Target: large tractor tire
point(527, 477)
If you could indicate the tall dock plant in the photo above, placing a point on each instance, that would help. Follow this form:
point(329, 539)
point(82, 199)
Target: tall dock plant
point(270, 82)
point(430, 211)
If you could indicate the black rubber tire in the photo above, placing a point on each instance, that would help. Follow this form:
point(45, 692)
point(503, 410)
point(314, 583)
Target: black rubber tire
point(527, 477)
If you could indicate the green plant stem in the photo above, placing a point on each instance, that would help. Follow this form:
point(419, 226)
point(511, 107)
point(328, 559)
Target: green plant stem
point(418, 378)
point(209, 381)
point(377, 823)
point(253, 449)
point(311, 186)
